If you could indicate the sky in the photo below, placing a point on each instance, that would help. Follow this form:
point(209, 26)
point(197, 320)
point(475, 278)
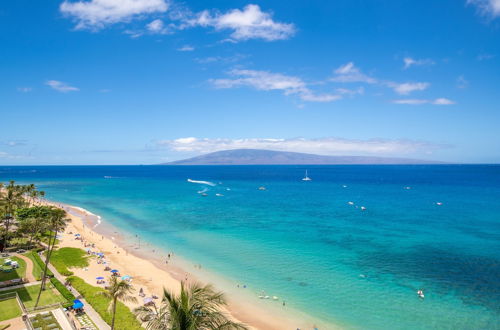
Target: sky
point(152, 81)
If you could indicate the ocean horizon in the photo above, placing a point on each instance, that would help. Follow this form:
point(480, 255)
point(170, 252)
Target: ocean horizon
point(351, 247)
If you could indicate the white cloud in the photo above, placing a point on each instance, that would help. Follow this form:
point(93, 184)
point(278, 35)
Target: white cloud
point(249, 23)
point(24, 89)
point(96, 14)
point(14, 143)
point(443, 101)
point(349, 73)
point(350, 92)
point(322, 146)
point(407, 88)
point(462, 82)
point(186, 48)
point(489, 8)
point(408, 62)
point(482, 57)
point(439, 101)
point(267, 81)
point(61, 86)
point(410, 101)
point(156, 26)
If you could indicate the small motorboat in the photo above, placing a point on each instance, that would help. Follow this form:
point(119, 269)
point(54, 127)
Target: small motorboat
point(439, 203)
point(262, 188)
point(350, 203)
point(363, 208)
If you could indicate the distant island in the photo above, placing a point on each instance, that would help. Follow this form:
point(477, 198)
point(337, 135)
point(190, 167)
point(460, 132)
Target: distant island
point(270, 157)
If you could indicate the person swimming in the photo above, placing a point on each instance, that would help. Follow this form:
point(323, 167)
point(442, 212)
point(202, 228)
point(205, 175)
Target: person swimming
point(420, 293)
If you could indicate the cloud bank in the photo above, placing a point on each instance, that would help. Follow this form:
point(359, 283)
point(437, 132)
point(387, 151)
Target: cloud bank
point(244, 24)
point(321, 146)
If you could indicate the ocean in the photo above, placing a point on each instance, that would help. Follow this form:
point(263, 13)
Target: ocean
point(351, 247)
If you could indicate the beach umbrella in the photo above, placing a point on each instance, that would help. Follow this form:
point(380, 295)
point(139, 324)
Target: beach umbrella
point(114, 270)
point(77, 304)
point(99, 278)
point(126, 277)
point(77, 234)
point(147, 300)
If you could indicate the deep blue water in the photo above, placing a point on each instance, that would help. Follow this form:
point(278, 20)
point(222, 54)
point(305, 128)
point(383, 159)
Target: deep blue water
point(303, 242)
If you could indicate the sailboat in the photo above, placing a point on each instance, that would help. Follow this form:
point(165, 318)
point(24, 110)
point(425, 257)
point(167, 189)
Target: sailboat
point(306, 178)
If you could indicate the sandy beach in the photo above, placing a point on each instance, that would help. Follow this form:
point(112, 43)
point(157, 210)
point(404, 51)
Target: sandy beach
point(149, 271)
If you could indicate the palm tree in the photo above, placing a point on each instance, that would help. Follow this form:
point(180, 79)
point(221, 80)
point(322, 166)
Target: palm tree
point(117, 290)
point(32, 221)
point(10, 200)
point(197, 307)
point(56, 222)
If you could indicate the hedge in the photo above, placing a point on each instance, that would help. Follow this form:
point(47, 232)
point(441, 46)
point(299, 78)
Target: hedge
point(63, 290)
point(125, 319)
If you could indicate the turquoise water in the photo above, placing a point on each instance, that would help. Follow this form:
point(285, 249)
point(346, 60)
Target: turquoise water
point(303, 242)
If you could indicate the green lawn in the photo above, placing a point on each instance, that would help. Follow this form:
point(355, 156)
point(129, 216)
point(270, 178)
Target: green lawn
point(68, 257)
point(14, 273)
point(37, 270)
point(46, 322)
point(28, 295)
point(9, 309)
point(125, 319)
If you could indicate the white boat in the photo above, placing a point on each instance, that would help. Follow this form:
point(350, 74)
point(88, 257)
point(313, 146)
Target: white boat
point(262, 188)
point(306, 178)
point(363, 208)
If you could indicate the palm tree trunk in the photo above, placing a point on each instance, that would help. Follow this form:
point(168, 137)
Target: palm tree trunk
point(44, 275)
point(6, 236)
point(114, 313)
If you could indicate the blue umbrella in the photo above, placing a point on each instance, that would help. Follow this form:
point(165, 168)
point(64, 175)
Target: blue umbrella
point(99, 278)
point(114, 271)
point(77, 234)
point(126, 277)
point(77, 304)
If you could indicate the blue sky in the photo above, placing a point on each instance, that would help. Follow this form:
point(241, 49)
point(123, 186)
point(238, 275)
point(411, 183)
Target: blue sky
point(148, 81)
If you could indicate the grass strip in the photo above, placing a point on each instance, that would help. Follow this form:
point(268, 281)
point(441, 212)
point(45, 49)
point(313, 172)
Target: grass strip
point(68, 257)
point(125, 319)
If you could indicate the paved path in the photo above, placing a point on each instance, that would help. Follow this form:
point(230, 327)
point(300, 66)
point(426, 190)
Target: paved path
point(99, 322)
point(29, 267)
point(16, 323)
point(61, 319)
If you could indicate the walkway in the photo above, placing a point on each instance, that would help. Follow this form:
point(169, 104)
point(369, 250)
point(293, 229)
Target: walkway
point(29, 267)
point(61, 319)
point(16, 323)
point(99, 322)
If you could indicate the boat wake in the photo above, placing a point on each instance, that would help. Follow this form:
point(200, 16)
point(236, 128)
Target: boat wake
point(202, 182)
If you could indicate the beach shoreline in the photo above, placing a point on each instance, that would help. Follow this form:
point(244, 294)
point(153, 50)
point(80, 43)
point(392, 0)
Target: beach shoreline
point(136, 258)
